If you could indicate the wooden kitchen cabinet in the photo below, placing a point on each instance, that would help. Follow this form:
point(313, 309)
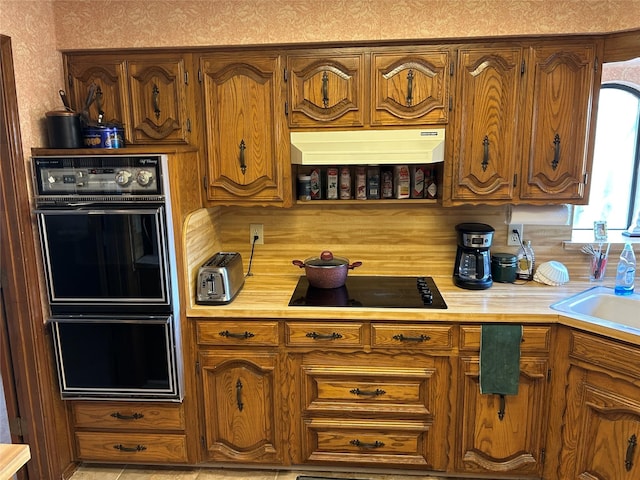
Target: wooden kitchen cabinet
point(248, 152)
point(326, 88)
point(108, 75)
point(239, 391)
point(145, 93)
point(602, 418)
point(503, 434)
point(524, 120)
point(129, 432)
point(410, 88)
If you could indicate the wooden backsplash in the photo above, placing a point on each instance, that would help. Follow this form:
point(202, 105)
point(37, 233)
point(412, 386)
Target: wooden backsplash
point(388, 239)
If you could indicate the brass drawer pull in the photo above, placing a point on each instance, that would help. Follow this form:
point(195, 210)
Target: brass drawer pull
point(119, 416)
point(137, 448)
point(322, 336)
point(358, 443)
point(228, 334)
point(628, 461)
point(401, 338)
point(371, 393)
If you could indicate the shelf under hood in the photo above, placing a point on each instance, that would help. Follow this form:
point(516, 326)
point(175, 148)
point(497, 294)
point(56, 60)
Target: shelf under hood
point(368, 147)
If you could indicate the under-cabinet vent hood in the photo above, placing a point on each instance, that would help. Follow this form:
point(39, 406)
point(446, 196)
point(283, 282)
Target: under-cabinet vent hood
point(367, 147)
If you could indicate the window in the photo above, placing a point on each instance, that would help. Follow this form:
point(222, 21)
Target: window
point(615, 178)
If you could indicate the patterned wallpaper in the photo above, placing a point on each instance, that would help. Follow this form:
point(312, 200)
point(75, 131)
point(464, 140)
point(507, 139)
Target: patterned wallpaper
point(40, 28)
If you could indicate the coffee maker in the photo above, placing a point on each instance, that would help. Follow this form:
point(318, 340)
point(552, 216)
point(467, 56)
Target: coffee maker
point(473, 260)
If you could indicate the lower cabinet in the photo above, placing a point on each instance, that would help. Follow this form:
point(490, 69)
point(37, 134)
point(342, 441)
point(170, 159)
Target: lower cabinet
point(130, 432)
point(503, 433)
point(239, 393)
point(602, 419)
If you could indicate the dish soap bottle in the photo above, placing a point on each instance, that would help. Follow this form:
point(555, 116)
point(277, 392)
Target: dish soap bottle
point(626, 271)
point(526, 262)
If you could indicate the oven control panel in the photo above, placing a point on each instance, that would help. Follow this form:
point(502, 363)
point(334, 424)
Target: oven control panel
point(98, 175)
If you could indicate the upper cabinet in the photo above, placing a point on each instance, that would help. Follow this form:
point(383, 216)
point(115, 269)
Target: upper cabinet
point(246, 133)
point(326, 89)
point(410, 88)
point(376, 87)
point(524, 124)
point(147, 94)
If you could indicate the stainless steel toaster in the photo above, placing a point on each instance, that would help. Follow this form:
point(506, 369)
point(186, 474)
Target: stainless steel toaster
point(220, 279)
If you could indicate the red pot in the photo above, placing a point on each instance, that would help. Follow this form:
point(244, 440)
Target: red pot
point(326, 271)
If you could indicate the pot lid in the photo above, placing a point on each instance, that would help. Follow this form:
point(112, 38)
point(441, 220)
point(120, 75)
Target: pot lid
point(326, 259)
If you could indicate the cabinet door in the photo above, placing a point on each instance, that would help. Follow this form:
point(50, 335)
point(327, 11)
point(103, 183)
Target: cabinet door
point(158, 100)
point(608, 445)
point(248, 158)
point(108, 74)
point(326, 91)
point(561, 86)
point(239, 402)
point(411, 88)
point(503, 433)
point(487, 107)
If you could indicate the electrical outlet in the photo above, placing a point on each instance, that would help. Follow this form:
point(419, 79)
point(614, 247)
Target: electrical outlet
point(514, 239)
point(256, 230)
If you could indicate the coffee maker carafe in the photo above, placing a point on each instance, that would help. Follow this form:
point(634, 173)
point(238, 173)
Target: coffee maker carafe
point(473, 259)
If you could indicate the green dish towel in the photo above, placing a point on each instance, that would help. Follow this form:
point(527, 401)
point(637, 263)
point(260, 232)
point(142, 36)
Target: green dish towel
point(500, 359)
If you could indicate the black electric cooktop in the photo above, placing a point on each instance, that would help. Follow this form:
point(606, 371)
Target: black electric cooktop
point(371, 292)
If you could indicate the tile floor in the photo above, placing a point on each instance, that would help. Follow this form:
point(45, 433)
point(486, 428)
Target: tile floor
point(87, 472)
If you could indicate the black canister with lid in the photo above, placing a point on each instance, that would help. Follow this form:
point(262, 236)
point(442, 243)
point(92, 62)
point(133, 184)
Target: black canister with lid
point(503, 267)
point(64, 129)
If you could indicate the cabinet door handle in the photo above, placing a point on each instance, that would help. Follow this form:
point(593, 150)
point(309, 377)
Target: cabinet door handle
point(370, 393)
point(401, 338)
point(325, 90)
point(155, 93)
point(358, 443)
point(239, 395)
point(137, 448)
point(119, 416)
point(228, 334)
point(409, 88)
point(99, 99)
point(485, 156)
point(243, 165)
point(556, 153)
point(324, 336)
point(631, 448)
point(502, 408)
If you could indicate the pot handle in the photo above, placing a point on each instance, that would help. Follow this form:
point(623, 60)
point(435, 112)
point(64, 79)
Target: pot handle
point(354, 265)
point(327, 256)
point(298, 263)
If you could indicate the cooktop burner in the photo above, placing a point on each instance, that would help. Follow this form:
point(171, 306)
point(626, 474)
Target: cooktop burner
point(371, 292)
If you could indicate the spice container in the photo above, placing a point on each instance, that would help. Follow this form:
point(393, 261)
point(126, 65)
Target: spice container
point(304, 187)
point(503, 267)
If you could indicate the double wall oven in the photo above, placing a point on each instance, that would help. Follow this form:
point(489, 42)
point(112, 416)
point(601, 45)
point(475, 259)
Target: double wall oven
point(106, 236)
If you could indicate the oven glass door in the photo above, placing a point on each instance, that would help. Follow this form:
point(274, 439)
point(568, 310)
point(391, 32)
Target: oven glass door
point(116, 358)
point(105, 256)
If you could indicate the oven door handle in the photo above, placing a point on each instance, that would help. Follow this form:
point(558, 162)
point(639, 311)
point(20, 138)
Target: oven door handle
point(81, 208)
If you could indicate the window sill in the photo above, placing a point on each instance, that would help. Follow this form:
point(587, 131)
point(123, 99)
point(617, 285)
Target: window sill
point(583, 237)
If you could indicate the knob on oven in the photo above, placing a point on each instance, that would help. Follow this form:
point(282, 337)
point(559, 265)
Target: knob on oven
point(123, 177)
point(144, 178)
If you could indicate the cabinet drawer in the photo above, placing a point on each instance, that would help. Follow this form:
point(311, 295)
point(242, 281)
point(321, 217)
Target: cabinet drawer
point(128, 416)
point(324, 334)
point(237, 333)
point(412, 336)
point(131, 447)
point(605, 353)
point(397, 391)
point(370, 442)
point(534, 338)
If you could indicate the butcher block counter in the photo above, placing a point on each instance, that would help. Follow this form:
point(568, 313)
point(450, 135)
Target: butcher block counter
point(12, 458)
point(267, 296)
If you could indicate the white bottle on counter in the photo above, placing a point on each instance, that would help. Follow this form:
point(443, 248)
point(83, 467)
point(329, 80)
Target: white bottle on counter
point(525, 262)
point(626, 271)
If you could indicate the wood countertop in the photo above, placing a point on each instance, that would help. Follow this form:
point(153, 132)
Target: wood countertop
point(12, 458)
point(267, 296)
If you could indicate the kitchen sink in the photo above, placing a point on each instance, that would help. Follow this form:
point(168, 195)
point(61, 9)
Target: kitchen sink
point(601, 304)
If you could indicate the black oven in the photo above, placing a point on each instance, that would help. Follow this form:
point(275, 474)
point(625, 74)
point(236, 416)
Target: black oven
point(116, 357)
point(106, 238)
